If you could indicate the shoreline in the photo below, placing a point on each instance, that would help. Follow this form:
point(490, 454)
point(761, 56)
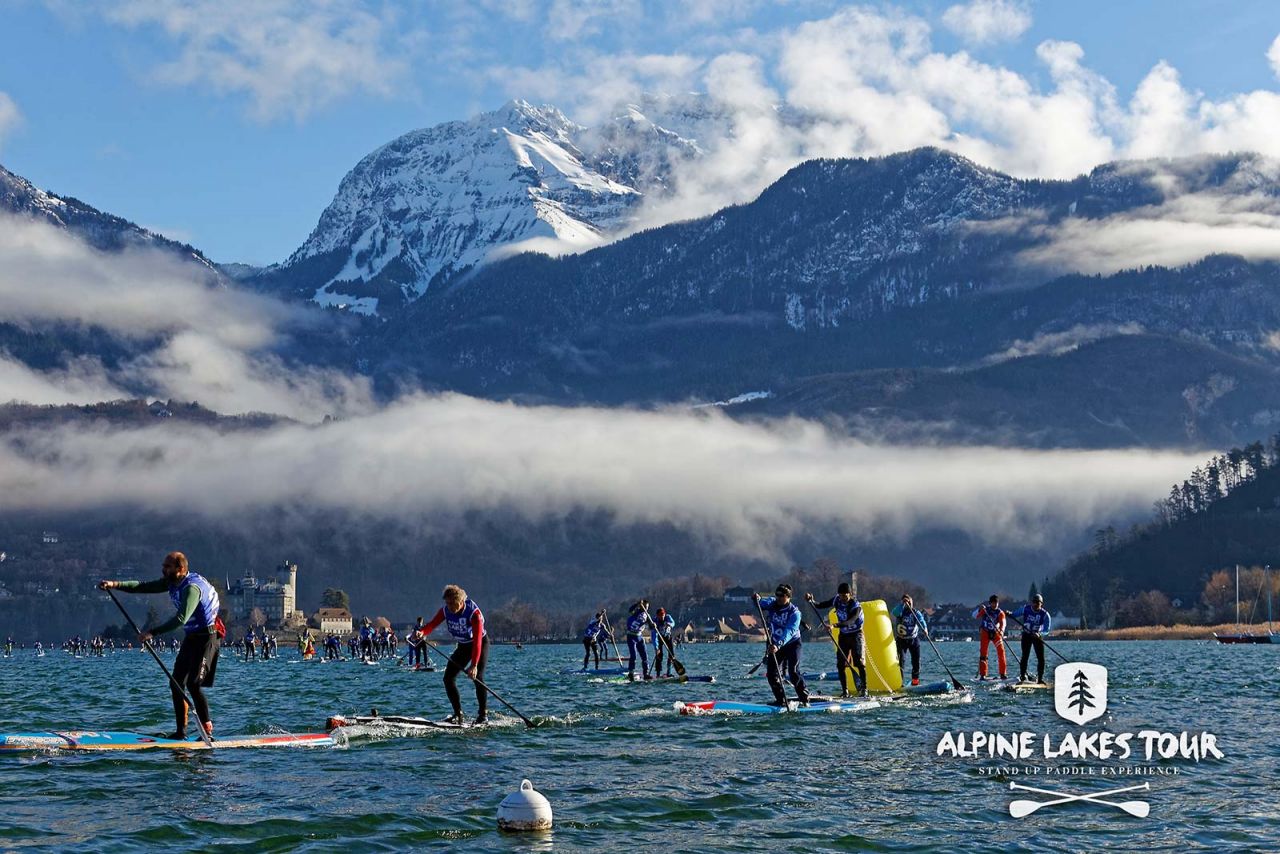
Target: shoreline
point(1178, 631)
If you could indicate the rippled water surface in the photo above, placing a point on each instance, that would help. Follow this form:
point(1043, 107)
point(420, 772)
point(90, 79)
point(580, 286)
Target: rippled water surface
point(623, 770)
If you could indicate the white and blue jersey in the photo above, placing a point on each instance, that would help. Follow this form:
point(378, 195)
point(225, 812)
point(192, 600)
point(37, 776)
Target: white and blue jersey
point(593, 631)
point(663, 627)
point(849, 615)
point(636, 621)
point(783, 621)
point(1035, 621)
point(206, 613)
point(459, 624)
point(910, 623)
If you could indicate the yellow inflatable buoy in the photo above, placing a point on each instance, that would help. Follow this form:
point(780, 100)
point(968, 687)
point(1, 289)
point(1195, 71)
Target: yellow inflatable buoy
point(884, 673)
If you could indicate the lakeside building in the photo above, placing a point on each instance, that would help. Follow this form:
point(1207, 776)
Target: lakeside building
point(275, 595)
point(336, 621)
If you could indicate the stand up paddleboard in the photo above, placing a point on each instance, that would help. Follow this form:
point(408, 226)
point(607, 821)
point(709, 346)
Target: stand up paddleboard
point(399, 721)
point(720, 706)
point(599, 671)
point(94, 740)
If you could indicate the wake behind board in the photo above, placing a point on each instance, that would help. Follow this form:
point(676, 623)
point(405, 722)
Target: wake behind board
point(1028, 687)
point(399, 721)
point(625, 680)
point(86, 740)
point(720, 706)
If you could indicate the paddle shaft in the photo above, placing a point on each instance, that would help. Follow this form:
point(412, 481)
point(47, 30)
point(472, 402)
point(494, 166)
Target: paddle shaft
point(959, 686)
point(1042, 640)
point(768, 648)
point(204, 736)
point(604, 618)
point(671, 650)
point(530, 724)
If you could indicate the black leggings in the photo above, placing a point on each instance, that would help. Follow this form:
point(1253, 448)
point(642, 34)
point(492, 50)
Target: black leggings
point(460, 661)
point(1028, 642)
point(851, 652)
point(590, 648)
point(193, 669)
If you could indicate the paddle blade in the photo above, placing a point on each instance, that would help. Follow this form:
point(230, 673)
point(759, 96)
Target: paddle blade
point(1141, 809)
point(1022, 809)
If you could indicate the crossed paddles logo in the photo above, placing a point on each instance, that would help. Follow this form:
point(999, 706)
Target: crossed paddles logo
point(1079, 696)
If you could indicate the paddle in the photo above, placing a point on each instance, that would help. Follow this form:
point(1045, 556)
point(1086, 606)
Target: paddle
point(204, 736)
point(671, 650)
point(530, 724)
point(959, 686)
point(768, 648)
point(608, 629)
point(1042, 640)
point(840, 653)
point(1023, 808)
point(752, 671)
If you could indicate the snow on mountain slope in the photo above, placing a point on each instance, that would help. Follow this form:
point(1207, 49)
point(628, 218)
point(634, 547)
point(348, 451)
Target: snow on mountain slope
point(438, 201)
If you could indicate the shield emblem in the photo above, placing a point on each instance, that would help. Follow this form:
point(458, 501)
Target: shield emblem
point(1080, 691)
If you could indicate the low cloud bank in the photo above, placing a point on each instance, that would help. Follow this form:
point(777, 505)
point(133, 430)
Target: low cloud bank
point(748, 489)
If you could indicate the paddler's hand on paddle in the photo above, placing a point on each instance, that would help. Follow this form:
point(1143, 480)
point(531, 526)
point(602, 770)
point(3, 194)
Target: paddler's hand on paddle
point(470, 671)
point(107, 585)
point(143, 637)
point(755, 597)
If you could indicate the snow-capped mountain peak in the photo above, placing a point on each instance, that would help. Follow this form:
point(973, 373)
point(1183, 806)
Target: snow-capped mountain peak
point(438, 201)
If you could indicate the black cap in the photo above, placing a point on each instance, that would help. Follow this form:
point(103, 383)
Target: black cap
point(843, 588)
point(783, 590)
point(994, 598)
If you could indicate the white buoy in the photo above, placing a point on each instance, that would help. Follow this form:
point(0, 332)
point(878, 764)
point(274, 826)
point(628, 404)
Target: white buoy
point(526, 809)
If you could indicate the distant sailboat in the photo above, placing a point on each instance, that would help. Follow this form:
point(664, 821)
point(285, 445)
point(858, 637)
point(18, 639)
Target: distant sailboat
point(1249, 637)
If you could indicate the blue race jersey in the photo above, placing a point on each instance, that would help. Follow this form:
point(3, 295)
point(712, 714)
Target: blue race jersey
point(202, 619)
point(783, 621)
point(1035, 621)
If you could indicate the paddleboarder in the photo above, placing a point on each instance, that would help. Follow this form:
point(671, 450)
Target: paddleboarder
point(910, 623)
point(1035, 625)
point(664, 626)
point(196, 602)
point(849, 644)
point(591, 640)
point(991, 626)
point(466, 624)
point(782, 643)
point(637, 619)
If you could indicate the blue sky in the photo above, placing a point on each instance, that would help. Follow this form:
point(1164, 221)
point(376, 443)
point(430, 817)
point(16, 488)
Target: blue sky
point(230, 124)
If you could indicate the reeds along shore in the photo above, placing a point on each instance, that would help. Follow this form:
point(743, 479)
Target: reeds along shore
point(1178, 631)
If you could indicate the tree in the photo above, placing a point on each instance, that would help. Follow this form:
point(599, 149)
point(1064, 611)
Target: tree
point(334, 597)
point(257, 618)
point(1151, 608)
point(1080, 697)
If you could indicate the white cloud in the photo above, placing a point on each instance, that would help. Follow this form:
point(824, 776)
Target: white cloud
point(289, 56)
point(1059, 343)
point(746, 488)
point(216, 342)
point(10, 117)
point(1273, 56)
point(84, 381)
point(983, 22)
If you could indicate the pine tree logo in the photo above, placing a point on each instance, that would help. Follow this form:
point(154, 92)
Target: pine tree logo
point(1080, 691)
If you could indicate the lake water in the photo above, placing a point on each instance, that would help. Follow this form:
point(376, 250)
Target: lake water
point(624, 771)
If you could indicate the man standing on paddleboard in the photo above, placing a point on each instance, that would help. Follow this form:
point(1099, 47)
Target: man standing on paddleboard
point(849, 620)
point(782, 643)
point(991, 631)
point(910, 623)
point(466, 625)
point(197, 613)
point(1035, 625)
